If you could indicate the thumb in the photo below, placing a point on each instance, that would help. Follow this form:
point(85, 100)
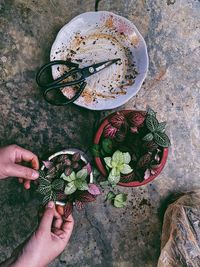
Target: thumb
point(22, 172)
point(47, 218)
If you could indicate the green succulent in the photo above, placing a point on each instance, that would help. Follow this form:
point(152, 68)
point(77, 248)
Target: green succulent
point(76, 181)
point(118, 164)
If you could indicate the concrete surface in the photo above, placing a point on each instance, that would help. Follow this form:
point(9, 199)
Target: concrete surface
point(103, 235)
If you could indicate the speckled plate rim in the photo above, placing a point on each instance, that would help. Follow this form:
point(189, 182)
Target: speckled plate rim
point(108, 104)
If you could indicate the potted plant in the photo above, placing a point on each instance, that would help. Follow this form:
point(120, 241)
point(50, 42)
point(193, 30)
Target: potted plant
point(67, 179)
point(131, 147)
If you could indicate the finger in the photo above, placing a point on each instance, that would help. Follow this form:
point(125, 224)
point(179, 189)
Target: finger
point(28, 156)
point(22, 172)
point(20, 180)
point(67, 227)
point(57, 223)
point(27, 184)
point(47, 218)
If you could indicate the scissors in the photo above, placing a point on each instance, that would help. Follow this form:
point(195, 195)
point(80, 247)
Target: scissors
point(76, 77)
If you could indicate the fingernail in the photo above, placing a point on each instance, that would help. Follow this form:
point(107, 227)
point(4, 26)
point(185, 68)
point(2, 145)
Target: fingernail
point(50, 205)
point(35, 175)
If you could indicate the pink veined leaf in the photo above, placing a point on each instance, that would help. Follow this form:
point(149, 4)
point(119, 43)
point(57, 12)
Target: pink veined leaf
point(68, 210)
point(79, 205)
point(110, 131)
point(86, 197)
point(134, 129)
point(117, 120)
point(88, 168)
point(94, 190)
point(147, 174)
point(48, 164)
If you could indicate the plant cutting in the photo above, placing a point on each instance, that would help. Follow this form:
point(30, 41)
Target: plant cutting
point(131, 147)
point(118, 200)
point(67, 179)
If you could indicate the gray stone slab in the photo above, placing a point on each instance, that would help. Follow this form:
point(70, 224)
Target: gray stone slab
point(103, 235)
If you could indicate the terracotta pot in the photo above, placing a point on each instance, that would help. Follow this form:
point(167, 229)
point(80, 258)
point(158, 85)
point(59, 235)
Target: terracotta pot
point(101, 165)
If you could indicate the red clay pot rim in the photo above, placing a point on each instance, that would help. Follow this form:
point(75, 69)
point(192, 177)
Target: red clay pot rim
point(100, 164)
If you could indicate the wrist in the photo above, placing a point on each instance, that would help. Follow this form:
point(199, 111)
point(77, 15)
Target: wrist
point(24, 261)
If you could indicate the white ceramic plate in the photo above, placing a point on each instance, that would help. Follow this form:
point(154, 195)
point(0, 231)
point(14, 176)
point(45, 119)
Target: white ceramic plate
point(93, 37)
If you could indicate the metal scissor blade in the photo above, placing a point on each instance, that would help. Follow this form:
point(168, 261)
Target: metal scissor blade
point(90, 70)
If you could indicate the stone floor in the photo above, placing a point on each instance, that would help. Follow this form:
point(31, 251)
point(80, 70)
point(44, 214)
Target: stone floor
point(103, 235)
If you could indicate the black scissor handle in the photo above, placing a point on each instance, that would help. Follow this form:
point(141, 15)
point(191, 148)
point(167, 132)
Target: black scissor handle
point(50, 64)
point(59, 99)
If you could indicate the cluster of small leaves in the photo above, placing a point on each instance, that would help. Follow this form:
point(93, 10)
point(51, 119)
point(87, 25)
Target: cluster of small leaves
point(60, 180)
point(117, 164)
point(157, 130)
point(75, 181)
point(138, 133)
point(118, 200)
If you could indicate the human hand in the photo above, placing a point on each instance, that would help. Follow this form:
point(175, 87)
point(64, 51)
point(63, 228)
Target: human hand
point(48, 241)
point(11, 159)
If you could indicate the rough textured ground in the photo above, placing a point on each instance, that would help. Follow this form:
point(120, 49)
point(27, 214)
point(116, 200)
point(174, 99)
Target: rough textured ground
point(103, 235)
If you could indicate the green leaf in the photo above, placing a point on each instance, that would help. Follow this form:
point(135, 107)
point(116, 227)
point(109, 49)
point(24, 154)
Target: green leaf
point(69, 178)
point(151, 112)
point(113, 179)
point(104, 183)
point(58, 184)
point(41, 174)
point(120, 200)
point(126, 169)
point(70, 188)
point(110, 195)
point(83, 186)
point(161, 127)
point(115, 172)
point(162, 139)
point(148, 137)
point(151, 123)
point(127, 157)
point(44, 182)
point(108, 161)
point(107, 145)
point(44, 189)
point(51, 196)
point(95, 150)
point(82, 174)
point(118, 157)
